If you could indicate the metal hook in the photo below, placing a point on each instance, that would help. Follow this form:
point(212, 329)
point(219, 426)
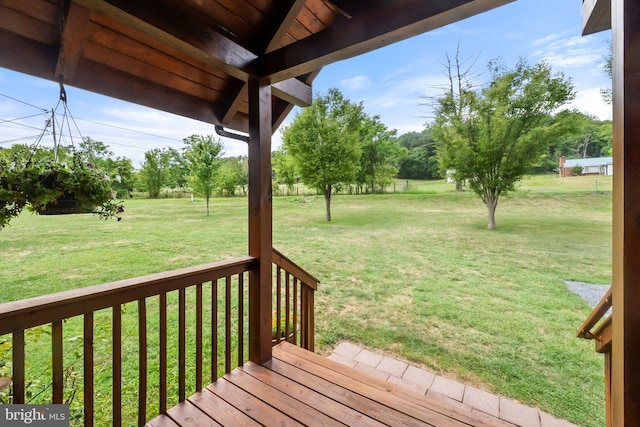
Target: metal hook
point(63, 92)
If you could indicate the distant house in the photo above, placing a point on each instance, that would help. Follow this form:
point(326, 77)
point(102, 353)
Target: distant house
point(594, 166)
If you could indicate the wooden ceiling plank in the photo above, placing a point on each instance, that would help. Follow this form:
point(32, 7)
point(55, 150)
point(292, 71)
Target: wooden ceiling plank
point(44, 11)
point(26, 55)
point(310, 21)
point(159, 75)
point(368, 31)
point(20, 22)
point(107, 32)
point(73, 36)
point(210, 48)
point(165, 62)
point(323, 12)
point(98, 78)
point(231, 24)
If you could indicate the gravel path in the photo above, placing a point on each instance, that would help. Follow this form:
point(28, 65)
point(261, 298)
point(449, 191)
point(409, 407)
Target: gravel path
point(591, 293)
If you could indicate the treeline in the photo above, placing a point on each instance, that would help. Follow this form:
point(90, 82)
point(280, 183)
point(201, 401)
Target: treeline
point(384, 157)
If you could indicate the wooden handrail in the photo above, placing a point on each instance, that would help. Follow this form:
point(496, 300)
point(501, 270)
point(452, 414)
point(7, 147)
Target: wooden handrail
point(176, 295)
point(603, 335)
point(28, 313)
point(596, 315)
point(294, 288)
point(286, 264)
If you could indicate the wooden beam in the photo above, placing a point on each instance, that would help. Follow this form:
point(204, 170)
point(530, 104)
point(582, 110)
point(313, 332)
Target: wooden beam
point(102, 79)
point(237, 95)
point(625, 387)
point(27, 56)
point(291, 9)
point(72, 40)
point(179, 32)
point(281, 109)
point(379, 27)
point(293, 91)
point(285, 15)
point(260, 220)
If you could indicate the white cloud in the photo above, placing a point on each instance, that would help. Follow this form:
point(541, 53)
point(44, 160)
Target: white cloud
point(590, 101)
point(356, 83)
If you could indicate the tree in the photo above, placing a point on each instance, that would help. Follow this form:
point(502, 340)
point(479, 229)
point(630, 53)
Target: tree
point(417, 158)
point(230, 175)
point(491, 136)
point(284, 168)
point(178, 171)
point(202, 154)
point(153, 174)
point(378, 149)
point(323, 140)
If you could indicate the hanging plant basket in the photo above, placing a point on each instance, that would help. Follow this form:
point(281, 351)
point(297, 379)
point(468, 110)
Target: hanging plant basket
point(48, 187)
point(65, 204)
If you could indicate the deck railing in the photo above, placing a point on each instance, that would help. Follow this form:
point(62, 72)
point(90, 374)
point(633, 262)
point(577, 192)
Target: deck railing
point(598, 328)
point(140, 345)
point(294, 289)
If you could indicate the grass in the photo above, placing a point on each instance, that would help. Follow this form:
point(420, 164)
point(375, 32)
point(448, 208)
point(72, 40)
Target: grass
point(414, 274)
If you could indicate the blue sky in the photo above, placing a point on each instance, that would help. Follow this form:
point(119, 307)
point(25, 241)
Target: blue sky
point(391, 82)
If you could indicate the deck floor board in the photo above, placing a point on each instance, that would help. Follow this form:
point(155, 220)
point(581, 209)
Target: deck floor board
point(299, 388)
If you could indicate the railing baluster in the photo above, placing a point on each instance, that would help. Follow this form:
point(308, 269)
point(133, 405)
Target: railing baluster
point(162, 402)
point(304, 300)
point(227, 317)
point(198, 337)
point(181, 345)
point(214, 330)
point(278, 304)
point(142, 361)
point(17, 344)
point(56, 362)
point(117, 365)
point(295, 311)
point(84, 302)
point(287, 309)
point(240, 319)
point(88, 369)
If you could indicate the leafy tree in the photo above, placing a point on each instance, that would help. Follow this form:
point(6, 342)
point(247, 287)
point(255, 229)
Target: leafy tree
point(378, 150)
point(178, 171)
point(491, 136)
point(607, 94)
point(202, 155)
point(284, 168)
point(324, 143)
point(153, 175)
point(120, 170)
point(417, 158)
point(230, 175)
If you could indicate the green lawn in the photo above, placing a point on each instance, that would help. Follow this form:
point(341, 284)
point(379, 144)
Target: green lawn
point(414, 274)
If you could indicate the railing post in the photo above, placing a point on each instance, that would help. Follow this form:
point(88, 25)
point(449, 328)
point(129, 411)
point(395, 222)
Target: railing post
point(260, 216)
point(625, 363)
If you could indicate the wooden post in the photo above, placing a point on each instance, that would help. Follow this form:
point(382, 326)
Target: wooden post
point(260, 215)
point(625, 381)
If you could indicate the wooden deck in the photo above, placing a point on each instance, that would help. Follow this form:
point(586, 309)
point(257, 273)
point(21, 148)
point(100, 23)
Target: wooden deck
point(298, 388)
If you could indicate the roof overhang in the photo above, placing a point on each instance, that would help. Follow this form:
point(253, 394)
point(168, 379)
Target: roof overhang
point(596, 16)
point(194, 58)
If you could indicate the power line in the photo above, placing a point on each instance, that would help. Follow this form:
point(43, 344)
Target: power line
point(19, 139)
point(23, 102)
point(15, 121)
point(129, 130)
